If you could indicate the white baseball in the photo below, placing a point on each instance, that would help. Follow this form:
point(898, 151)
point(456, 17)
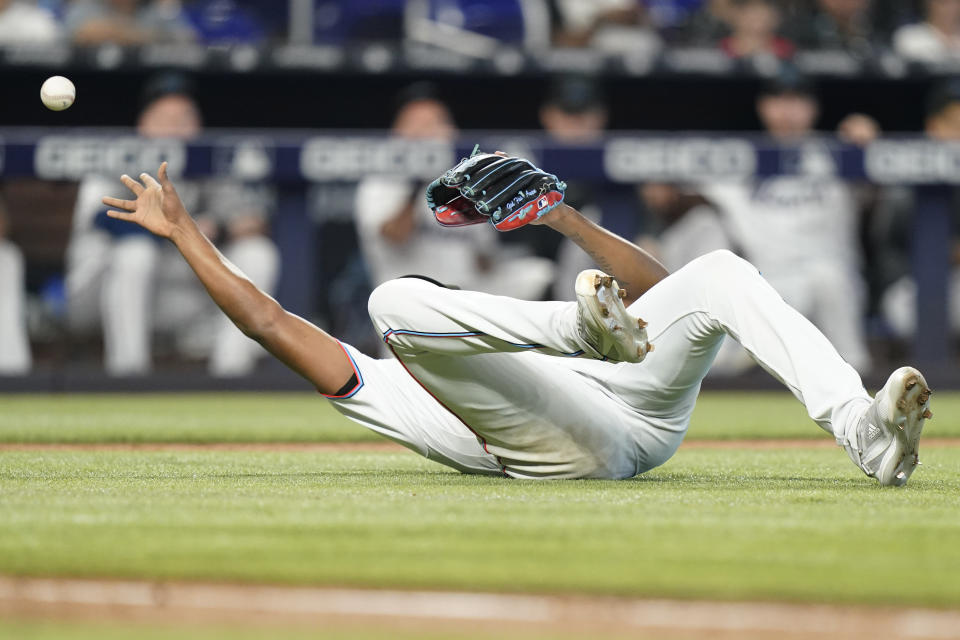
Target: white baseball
point(57, 93)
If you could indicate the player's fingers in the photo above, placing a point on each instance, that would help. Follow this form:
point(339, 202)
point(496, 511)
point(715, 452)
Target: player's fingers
point(132, 184)
point(129, 205)
point(119, 215)
point(148, 180)
point(162, 174)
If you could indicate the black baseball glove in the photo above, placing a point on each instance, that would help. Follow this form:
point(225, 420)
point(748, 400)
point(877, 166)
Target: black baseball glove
point(509, 192)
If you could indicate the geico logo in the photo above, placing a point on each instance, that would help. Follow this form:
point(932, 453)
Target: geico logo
point(639, 158)
point(59, 157)
point(913, 162)
point(327, 157)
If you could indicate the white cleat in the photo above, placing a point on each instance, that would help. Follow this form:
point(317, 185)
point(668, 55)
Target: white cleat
point(887, 438)
point(603, 321)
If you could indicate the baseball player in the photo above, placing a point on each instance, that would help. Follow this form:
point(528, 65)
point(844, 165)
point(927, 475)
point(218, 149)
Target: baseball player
point(493, 385)
point(801, 231)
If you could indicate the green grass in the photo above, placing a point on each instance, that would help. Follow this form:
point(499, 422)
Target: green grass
point(297, 417)
point(26, 629)
point(786, 524)
point(792, 524)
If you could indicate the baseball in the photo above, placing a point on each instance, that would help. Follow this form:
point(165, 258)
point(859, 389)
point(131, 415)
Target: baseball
point(57, 93)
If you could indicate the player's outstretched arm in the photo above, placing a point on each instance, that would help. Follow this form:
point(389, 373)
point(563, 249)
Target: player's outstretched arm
point(635, 269)
point(297, 343)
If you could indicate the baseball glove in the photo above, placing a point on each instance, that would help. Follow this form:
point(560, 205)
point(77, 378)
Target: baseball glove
point(509, 192)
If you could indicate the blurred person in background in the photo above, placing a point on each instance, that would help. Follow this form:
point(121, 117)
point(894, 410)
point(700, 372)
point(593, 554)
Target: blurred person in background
point(754, 25)
point(802, 231)
point(23, 23)
point(936, 38)
point(134, 286)
point(613, 26)
point(127, 22)
point(399, 235)
point(845, 25)
point(574, 112)
point(476, 27)
point(224, 22)
point(14, 345)
point(684, 225)
point(892, 226)
point(710, 24)
point(672, 17)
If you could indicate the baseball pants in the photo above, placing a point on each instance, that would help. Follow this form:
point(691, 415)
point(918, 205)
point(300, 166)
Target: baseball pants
point(489, 384)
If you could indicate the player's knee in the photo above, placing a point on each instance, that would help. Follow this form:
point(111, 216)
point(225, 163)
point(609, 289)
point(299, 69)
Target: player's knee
point(724, 264)
point(390, 297)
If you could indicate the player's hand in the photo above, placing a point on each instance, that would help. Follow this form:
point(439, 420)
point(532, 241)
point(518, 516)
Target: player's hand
point(157, 208)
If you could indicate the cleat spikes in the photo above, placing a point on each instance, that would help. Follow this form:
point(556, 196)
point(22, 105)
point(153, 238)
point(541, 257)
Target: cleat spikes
point(608, 330)
point(928, 414)
point(649, 347)
point(911, 384)
point(641, 323)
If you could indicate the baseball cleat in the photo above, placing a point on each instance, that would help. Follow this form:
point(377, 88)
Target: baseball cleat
point(887, 438)
point(603, 321)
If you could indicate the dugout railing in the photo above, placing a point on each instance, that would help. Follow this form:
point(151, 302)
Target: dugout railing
point(294, 159)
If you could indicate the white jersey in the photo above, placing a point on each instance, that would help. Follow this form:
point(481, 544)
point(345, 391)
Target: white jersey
point(781, 223)
point(448, 255)
point(697, 233)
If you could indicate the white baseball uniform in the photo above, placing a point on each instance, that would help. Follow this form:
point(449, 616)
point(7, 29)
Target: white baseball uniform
point(801, 233)
point(134, 285)
point(444, 254)
point(488, 384)
point(14, 344)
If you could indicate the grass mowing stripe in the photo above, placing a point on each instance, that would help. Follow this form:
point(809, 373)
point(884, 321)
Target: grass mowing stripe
point(298, 417)
point(794, 524)
point(26, 629)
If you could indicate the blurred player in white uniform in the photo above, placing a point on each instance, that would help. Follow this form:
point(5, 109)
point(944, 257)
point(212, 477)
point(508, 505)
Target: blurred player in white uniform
point(399, 236)
point(134, 286)
point(14, 345)
point(493, 385)
point(893, 228)
point(685, 227)
point(801, 231)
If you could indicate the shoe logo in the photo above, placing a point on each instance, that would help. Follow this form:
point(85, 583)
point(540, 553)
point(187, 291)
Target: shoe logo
point(873, 432)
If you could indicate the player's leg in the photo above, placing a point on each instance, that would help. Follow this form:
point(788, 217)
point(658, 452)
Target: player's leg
point(414, 315)
point(233, 353)
point(721, 294)
point(384, 398)
point(541, 416)
point(718, 294)
point(838, 308)
point(14, 346)
point(126, 302)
